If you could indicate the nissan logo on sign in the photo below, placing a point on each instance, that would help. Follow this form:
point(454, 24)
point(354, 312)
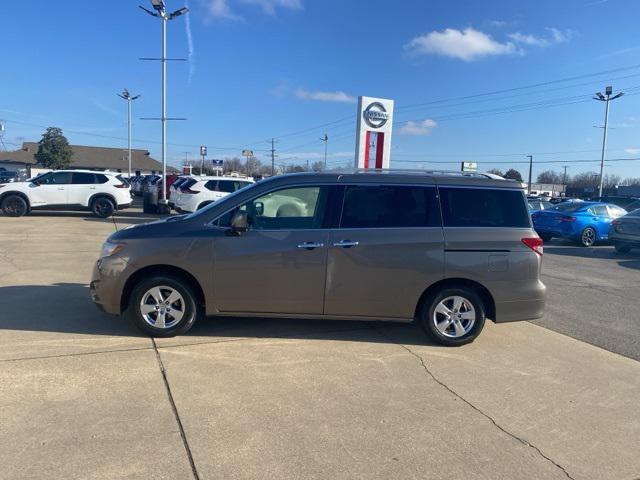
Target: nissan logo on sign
point(375, 115)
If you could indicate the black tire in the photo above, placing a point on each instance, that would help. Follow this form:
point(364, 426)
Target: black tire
point(188, 305)
point(622, 247)
point(14, 206)
point(546, 238)
point(588, 237)
point(102, 207)
point(428, 315)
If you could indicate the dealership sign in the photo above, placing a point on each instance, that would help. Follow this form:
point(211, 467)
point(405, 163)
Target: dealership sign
point(373, 134)
point(375, 115)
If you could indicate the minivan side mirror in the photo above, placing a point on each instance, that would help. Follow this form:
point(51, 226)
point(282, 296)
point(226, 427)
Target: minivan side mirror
point(239, 222)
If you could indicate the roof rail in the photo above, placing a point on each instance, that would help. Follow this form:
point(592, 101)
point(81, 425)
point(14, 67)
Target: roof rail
point(457, 173)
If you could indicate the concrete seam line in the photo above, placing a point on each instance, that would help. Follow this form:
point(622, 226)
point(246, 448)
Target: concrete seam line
point(79, 354)
point(176, 415)
point(486, 415)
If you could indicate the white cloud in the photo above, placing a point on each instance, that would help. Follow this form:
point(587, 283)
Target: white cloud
point(418, 128)
point(632, 151)
point(468, 44)
point(269, 6)
point(555, 36)
point(338, 96)
point(222, 8)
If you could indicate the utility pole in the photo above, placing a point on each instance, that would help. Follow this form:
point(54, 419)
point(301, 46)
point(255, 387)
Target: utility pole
point(564, 180)
point(125, 95)
point(325, 139)
point(160, 12)
point(605, 98)
point(530, 171)
point(273, 156)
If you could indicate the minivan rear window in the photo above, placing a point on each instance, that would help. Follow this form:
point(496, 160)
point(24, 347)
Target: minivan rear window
point(483, 207)
point(389, 206)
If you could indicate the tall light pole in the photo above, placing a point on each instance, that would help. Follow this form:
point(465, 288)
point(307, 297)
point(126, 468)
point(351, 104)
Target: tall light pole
point(161, 12)
point(129, 98)
point(325, 139)
point(530, 171)
point(605, 98)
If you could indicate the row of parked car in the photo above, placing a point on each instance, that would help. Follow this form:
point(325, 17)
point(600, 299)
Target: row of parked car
point(614, 219)
point(189, 193)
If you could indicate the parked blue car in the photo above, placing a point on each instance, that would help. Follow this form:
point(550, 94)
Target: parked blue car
point(583, 222)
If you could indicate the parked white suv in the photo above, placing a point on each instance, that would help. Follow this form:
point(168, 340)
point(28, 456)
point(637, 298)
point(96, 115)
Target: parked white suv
point(101, 192)
point(198, 192)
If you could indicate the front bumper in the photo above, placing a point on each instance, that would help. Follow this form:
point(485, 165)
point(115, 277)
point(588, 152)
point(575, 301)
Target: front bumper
point(107, 283)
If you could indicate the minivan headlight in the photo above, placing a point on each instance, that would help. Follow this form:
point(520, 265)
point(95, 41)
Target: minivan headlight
point(110, 248)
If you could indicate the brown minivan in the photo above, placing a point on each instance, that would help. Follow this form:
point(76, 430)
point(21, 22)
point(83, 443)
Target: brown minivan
point(446, 249)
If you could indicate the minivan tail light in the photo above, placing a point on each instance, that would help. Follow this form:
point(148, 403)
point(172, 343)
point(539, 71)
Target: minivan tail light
point(534, 243)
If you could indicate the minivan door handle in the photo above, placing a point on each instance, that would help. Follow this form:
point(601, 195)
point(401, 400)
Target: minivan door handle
point(346, 244)
point(311, 245)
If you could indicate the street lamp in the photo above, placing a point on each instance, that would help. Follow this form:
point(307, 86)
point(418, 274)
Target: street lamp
point(125, 95)
point(605, 98)
point(161, 12)
point(325, 139)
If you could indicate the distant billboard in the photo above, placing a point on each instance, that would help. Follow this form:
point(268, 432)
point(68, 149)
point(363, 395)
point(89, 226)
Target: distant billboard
point(469, 166)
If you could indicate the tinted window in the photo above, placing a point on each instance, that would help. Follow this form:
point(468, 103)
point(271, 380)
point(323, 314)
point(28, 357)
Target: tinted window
point(288, 209)
point(483, 207)
point(82, 178)
point(188, 184)
point(228, 186)
point(211, 185)
point(123, 180)
point(100, 178)
point(616, 212)
point(599, 210)
point(569, 207)
point(58, 178)
point(389, 207)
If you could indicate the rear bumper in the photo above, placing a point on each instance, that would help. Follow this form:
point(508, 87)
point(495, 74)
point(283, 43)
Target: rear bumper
point(530, 305)
point(627, 239)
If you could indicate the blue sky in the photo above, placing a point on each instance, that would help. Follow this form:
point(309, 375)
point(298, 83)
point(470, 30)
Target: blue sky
point(278, 68)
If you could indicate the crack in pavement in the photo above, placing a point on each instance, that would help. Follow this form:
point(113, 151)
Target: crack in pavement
point(176, 415)
point(486, 415)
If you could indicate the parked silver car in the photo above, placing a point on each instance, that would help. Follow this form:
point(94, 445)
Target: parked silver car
point(444, 249)
point(625, 232)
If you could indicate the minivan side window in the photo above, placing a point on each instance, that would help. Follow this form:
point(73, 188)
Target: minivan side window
point(389, 206)
point(288, 209)
point(483, 207)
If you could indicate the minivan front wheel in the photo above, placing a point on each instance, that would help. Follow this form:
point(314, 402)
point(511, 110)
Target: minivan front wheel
point(162, 306)
point(453, 316)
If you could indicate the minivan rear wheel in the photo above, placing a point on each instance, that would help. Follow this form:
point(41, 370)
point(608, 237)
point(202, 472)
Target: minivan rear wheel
point(453, 316)
point(162, 306)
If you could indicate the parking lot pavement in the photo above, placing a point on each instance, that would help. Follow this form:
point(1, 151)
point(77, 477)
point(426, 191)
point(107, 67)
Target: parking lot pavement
point(84, 396)
point(593, 295)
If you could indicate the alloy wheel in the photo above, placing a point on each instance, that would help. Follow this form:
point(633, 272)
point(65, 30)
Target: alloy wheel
point(454, 316)
point(162, 307)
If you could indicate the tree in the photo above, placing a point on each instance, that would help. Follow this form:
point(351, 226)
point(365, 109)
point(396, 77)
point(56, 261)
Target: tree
point(54, 150)
point(585, 179)
point(551, 177)
point(317, 166)
point(496, 171)
point(513, 175)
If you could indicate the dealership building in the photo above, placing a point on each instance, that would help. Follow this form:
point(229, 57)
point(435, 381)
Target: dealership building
point(24, 162)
